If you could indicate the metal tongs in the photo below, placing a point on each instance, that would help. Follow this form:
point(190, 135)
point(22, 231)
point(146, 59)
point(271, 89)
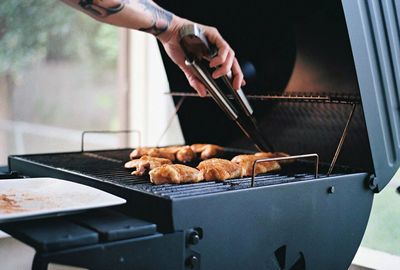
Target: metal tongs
point(198, 54)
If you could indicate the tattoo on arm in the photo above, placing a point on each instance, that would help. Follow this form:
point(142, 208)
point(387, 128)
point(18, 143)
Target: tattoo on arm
point(95, 8)
point(161, 19)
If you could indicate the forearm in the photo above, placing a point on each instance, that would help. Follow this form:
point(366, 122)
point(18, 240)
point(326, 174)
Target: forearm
point(143, 15)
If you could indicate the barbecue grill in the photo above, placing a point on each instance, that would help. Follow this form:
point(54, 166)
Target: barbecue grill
point(322, 77)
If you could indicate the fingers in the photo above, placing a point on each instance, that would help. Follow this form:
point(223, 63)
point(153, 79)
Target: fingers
point(198, 86)
point(225, 60)
point(223, 52)
point(237, 75)
point(195, 83)
point(226, 65)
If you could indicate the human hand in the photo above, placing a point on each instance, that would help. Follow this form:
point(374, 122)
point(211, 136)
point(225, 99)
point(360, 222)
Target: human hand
point(224, 61)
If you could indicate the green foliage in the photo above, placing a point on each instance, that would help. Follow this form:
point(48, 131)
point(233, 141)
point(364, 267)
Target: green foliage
point(383, 231)
point(35, 30)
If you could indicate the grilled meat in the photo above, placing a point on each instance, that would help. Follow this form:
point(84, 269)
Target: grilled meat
point(145, 163)
point(152, 152)
point(181, 153)
point(246, 162)
point(219, 169)
point(207, 150)
point(175, 174)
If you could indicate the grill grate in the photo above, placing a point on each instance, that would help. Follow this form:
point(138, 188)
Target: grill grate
point(108, 166)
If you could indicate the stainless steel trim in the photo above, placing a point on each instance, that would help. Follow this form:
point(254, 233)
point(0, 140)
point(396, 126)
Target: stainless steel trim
point(215, 93)
point(287, 97)
point(341, 141)
point(285, 158)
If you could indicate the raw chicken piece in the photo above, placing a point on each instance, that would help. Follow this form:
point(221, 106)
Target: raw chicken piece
point(146, 163)
point(246, 163)
point(153, 152)
point(182, 153)
point(219, 169)
point(175, 174)
point(207, 150)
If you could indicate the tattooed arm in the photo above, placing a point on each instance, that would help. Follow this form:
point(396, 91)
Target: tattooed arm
point(145, 15)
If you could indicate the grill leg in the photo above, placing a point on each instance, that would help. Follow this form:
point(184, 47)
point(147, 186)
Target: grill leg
point(39, 263)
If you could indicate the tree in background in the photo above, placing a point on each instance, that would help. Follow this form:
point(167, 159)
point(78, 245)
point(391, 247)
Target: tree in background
point(37, 30)
point(49, 36)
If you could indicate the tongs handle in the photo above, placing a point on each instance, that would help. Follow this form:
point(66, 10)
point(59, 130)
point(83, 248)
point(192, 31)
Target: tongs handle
point(197, 48)
point(238, 95)
point(213, 89)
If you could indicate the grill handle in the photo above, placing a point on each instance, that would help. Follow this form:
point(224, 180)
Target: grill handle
point(139, 134)
point(315, 156)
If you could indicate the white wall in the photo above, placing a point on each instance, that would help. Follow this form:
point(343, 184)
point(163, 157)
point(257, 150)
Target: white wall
point(150, 107)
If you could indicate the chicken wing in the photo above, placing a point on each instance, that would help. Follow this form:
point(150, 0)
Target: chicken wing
point(219, 169)
point(145, 163)
point(175, 174)
point(246, 163)
point(152, 152)
point(207, 150)
point(181, 153)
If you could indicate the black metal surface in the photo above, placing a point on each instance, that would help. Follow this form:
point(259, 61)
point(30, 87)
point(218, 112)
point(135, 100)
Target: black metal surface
point(112, 225)
point(243, 229)
point(50, 235)
point(101, 239)
point(3, 170)
point(152, 252)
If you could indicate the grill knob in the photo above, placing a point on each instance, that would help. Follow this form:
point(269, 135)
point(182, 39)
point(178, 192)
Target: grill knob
point(192, 262)
point(194, 238)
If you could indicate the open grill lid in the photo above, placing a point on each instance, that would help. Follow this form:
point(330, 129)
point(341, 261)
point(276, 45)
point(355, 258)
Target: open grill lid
point(374, 34)
point(302, 48)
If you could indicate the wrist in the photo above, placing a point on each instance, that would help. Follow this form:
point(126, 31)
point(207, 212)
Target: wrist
point(172, 31)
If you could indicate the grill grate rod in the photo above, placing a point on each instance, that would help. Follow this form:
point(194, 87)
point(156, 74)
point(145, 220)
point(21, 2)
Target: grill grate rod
point(285, 158)
point(339, 99)
point(341, 141)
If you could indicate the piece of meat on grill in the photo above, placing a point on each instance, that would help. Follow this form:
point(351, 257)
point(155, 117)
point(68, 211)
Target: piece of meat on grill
point(219, 169)
point(175, 174)
point(207, 151)
point(246, 163)
point(152, 152)
point(182, 153)
point(146, 163)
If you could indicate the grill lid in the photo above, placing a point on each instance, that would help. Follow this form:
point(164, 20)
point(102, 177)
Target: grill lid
point(374, 35)
point(302, 48)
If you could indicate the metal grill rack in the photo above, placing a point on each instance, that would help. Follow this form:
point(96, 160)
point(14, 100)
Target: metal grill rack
point(107, 167)
point(301, 96)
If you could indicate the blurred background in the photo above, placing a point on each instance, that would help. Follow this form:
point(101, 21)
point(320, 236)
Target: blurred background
point(62, 72)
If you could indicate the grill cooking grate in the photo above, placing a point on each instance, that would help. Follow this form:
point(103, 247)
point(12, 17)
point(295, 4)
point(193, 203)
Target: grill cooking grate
point(108, 166)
